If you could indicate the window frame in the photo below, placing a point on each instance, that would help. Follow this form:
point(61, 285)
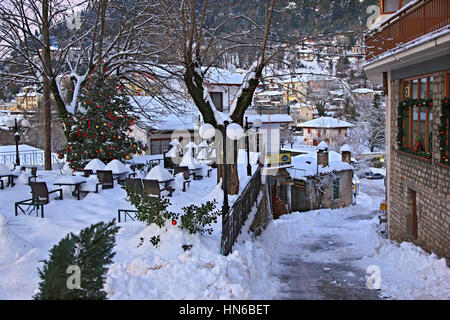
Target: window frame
point(221, 94)
point(447, 94)
point(410, 81)
point(336, 188)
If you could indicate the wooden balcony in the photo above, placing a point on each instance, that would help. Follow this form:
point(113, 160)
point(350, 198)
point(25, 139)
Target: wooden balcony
point(423, 18)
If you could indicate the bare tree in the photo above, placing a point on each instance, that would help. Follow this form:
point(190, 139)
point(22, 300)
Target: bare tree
point(371, 130)
point(27, 56)
point(287, 136)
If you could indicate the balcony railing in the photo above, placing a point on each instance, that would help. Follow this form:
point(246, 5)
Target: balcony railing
point(423, 18)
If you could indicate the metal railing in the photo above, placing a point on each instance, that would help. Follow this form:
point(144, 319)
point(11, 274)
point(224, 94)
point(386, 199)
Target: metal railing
point(238, 214)
point(29, 158)
point(410, 24)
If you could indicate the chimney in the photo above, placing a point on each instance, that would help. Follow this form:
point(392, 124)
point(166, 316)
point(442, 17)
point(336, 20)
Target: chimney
point(346, 154)
point(322, 154)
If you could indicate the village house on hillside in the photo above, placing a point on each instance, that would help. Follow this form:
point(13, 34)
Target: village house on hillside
point(414, 67)
point(326, 129)
point(28, 99)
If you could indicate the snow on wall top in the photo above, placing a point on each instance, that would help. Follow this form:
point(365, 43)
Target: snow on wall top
point(326, 122)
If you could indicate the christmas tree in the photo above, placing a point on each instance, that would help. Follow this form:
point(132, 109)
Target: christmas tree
point(91, 252)
point(101, 126)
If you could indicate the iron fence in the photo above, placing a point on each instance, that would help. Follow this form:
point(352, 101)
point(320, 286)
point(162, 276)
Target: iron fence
point(29, 158)
point(234, 220)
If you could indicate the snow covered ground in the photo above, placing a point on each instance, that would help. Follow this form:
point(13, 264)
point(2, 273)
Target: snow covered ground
point(141, 271)
point(333, 249)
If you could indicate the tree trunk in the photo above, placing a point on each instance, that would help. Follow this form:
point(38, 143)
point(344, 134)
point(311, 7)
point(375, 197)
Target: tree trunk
point(47, 126)
point(46, 59)
point(232, 166)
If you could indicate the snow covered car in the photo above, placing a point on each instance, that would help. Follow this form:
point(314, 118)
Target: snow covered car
point(375, 176)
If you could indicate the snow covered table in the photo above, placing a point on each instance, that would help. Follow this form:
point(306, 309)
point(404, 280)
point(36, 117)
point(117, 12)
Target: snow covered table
point(74, 181)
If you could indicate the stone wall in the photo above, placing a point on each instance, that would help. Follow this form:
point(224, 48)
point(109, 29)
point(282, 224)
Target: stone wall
point(427, 177)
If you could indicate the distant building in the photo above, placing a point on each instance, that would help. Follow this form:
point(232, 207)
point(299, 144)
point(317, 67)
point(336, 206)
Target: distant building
point(326, 129)
point(302, 112)
point(28, 99)
point(364, 93)
point(314, 180)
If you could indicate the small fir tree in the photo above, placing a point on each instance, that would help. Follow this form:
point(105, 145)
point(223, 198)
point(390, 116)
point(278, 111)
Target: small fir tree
point(91, 251)
point(102, 125)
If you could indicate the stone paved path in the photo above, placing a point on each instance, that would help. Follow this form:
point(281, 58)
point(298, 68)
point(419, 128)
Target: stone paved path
point(302, 279)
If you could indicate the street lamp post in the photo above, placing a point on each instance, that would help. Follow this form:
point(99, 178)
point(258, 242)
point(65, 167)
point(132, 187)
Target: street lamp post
point(249, 168)
point(15, 127)
point(257, 123)
point(225, 207)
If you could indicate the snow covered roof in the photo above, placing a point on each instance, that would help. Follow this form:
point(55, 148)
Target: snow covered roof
point(270, 118)
point(346, 148)
point(269, 93)
point(326, 122)
point(218, 76)
point(305, 165)
point(363, 90)
point(310, 76)
point(165, 119)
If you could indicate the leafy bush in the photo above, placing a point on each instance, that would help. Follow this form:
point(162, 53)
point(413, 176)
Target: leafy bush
point(196, 218)
point(151, 209)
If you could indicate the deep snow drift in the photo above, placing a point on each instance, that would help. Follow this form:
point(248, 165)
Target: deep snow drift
point(141, 271)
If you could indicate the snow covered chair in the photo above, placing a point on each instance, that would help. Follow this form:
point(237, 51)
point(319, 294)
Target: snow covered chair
point(105, 178)
point(40, 197)
point(153, 188)
point(186, 175)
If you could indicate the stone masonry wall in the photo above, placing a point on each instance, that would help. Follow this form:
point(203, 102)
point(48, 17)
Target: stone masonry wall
point(429, 179)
